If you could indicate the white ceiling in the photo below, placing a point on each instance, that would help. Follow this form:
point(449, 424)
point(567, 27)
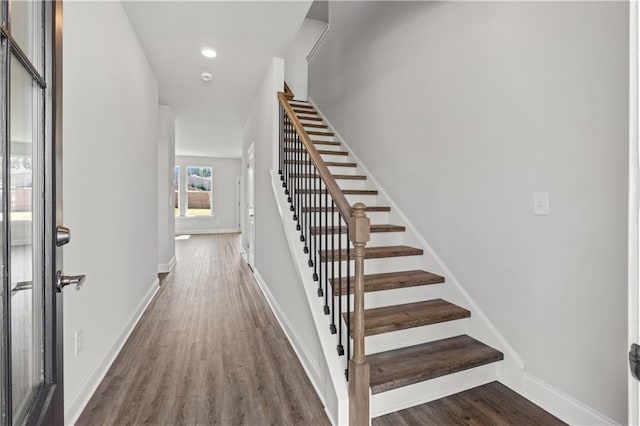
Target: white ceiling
point(246, 35)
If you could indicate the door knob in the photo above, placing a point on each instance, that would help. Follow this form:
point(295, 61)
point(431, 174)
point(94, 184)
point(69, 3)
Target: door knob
point(65, 280)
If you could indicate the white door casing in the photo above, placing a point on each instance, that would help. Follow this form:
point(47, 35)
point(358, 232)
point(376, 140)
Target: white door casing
point(250, 205)
point(634, 206)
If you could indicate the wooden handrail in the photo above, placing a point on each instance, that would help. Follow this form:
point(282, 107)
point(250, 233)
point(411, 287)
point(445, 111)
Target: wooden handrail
point(359, 228)
point(344, 208)
point(287, 91)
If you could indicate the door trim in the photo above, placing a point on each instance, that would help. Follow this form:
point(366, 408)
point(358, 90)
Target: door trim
point(251, 201)
point(634, 208)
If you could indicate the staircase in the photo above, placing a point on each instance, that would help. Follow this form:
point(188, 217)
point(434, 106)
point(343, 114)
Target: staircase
point(414, 339)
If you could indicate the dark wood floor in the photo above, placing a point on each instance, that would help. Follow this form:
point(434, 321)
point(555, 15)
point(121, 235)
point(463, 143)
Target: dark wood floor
point(492, 404)
point(207, 351)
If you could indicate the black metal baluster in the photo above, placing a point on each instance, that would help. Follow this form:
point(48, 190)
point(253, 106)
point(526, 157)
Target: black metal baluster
point(281, 145)
point(326, 249)
point(318, 226)
point(290, 166)
point(307, 241)
point(346, 372)
point(312, 195)
point(340, 345)
point(332, 327)
point(318, 207)
point(287, 157)
point(297, 181)
point(303, 184)
point(330, 258)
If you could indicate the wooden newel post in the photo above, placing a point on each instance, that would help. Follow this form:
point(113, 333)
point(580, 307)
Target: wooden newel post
point(359, 228)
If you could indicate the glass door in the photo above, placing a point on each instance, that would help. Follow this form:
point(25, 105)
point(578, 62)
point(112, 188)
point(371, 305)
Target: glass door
point(31, 306)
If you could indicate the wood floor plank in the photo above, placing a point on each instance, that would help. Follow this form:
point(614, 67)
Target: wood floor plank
point(490, 404)
point(208, 350)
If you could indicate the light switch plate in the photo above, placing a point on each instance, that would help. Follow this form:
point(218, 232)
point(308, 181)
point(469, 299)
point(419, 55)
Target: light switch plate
point(541, 203)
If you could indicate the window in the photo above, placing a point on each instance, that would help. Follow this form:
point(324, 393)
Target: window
point(176, 189)
point(199, 194)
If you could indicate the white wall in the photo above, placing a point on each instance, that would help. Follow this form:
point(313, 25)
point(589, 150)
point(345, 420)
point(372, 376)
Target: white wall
point(462, 110)
point(166, 159)
point(224, 217)
point(273, 260)
point(110, 189)
point(295, 60)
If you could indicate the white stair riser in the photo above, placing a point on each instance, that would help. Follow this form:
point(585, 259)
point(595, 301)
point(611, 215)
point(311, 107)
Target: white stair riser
point(375, 217)
point(339, 170)
point(315, 183)
point(389, 264)
point(320, 137)
point(430, 390)
point(305, 121)
point(414, 336)
point(398, 296)
point(330, 157)
point(377, 239)
point(353, 184)
point(367, 200)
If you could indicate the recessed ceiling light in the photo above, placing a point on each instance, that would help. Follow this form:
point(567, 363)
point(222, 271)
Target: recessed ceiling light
point(208, 52)
point(206, 77)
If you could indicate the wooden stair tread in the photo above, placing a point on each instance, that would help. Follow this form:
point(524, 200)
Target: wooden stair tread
point(320, 151)
point(389, 281)
point(409, 315)
point(309, 118)
point(306, 106)
point(318, 133)
point(327, 163)
point(328, 209)
point(334, 143)
point(341, 177)
point(344, 191)
point(315, 125)
point(413, 364)
point(304, 111)
point(376, 252)
point(343, 229)
point(489, 404)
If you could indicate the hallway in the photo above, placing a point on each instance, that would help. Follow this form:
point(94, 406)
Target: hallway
point(208, 350)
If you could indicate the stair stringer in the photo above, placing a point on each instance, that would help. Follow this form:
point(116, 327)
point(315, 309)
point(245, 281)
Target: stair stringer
point(510, 371)
point(333, 392)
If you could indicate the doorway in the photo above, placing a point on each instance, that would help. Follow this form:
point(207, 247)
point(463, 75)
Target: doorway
point(31, 332)
point(250, 205)
point(238, 202)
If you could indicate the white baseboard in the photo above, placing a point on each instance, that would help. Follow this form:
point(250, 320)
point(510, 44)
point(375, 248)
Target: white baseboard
point(93, 380)
point(561, 405)
point(301, 350)
point(164, 268)
point(207, 231)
